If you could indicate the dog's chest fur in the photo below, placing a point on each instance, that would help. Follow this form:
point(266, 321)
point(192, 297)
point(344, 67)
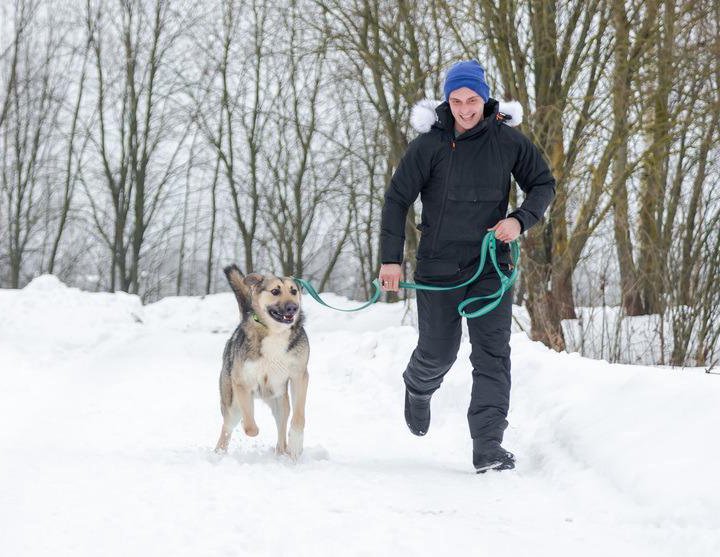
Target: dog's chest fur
point(267, 376)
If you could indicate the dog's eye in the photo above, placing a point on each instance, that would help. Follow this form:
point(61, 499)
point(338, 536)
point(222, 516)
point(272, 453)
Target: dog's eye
point(275, 291)
point(293, 291)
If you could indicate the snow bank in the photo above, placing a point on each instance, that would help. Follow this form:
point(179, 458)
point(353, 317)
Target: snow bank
point(48, 320)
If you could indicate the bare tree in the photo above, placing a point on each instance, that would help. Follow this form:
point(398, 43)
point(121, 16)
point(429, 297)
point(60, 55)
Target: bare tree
point(300, 164)
point(231, 112)
point(688, 227)
point(28, 120)
point(135, 96)
point(73, 162)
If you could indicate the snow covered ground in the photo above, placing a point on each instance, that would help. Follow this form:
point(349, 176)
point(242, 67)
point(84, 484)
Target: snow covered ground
point(109, 414)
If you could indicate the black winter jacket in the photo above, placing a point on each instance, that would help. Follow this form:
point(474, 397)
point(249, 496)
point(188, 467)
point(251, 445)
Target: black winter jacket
point(464, 184)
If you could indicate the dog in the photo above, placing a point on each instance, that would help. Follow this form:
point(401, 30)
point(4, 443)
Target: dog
point(266, 357)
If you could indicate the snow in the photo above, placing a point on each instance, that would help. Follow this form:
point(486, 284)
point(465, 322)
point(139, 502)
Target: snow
point(109, 413)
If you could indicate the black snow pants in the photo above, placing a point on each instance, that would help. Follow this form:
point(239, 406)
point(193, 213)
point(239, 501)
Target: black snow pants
point(439, 340)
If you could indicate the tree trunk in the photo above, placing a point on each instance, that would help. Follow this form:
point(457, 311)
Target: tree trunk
point(630, 295)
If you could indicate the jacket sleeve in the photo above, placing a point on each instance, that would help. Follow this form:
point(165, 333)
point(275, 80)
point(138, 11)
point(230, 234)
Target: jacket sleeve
point(407, 181)
point(532, 174)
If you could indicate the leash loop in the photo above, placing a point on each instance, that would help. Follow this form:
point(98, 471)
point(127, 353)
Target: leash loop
point(489, 246)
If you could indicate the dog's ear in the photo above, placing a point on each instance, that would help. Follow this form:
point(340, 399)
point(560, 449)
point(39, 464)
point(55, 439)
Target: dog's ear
point(254, 281)
point(236, 279)
point(233, 270)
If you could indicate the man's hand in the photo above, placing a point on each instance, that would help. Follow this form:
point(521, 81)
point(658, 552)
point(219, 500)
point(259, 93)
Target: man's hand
point(507, 229)
point(390, 277)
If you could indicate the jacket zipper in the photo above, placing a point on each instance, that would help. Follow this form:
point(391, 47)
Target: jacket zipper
point(433, 246)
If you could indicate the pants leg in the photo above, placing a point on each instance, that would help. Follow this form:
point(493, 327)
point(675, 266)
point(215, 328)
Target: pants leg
point(490, 358)
point(439, 340)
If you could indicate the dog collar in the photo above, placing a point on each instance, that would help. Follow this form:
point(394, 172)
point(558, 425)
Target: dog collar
point(257, 319)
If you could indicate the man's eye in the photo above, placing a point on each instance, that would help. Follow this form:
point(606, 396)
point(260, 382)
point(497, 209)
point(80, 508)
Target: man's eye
point(275, 291)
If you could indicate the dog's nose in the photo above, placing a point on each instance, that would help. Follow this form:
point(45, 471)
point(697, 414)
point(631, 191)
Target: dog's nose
point(291, 308)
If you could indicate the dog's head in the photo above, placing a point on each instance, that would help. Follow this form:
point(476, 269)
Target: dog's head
point(275, 300)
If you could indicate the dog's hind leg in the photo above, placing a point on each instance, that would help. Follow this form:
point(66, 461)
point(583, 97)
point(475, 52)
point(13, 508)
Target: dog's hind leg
point(298, 390)
point(231, 418)
point(230, 414)
point(281, 411)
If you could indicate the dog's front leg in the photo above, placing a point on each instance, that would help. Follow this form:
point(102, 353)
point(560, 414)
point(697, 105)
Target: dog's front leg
point(281, 411)
point(247, 407)
point(298, 390)
point(231, 418)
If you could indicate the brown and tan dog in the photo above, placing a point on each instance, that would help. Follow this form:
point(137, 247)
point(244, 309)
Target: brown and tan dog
point(268, 351)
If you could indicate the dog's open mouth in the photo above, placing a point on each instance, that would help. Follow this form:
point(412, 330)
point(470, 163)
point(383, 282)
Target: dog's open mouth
point(281, 317)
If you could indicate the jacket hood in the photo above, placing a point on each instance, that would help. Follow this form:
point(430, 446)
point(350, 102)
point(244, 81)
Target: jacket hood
point(425, 113)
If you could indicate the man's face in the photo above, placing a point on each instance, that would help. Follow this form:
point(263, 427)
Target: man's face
point(467, 108)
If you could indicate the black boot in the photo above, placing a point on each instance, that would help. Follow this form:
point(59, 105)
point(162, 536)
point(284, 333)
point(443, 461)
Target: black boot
point(417, 412)
point(489, 455)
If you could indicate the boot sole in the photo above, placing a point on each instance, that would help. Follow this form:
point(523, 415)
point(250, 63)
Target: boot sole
point(499, 465)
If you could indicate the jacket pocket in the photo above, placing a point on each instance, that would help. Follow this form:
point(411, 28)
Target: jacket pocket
point(479, 189)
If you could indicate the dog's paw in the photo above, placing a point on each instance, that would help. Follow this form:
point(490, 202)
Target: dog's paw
point(295, 443)
point(251, 430)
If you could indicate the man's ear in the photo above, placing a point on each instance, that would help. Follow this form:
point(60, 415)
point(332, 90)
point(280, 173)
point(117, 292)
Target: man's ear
point(254, 281)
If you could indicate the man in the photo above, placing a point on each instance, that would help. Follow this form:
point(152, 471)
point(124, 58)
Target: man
point(461, 169)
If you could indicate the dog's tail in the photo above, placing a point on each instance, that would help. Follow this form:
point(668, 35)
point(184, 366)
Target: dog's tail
point(236, 279)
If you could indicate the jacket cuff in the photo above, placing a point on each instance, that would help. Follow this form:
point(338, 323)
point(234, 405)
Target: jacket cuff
point(391, 249)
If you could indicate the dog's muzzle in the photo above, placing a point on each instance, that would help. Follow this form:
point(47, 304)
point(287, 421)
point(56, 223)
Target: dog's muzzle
point(284, 313)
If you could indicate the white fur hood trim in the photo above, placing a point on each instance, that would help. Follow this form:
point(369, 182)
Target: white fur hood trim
point(423, 116)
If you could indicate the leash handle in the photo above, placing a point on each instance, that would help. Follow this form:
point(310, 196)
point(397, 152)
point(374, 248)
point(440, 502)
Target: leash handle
point(488, 246)
point(506, 282)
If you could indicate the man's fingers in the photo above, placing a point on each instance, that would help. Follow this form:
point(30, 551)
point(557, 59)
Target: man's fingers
point(389, 286)
point(389, 283)
point(502, 236)
point(505, 231)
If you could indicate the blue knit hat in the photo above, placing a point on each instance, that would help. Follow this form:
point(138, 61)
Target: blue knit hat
point(467, 74)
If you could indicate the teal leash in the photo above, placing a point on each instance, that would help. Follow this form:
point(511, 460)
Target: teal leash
point(489, 246)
